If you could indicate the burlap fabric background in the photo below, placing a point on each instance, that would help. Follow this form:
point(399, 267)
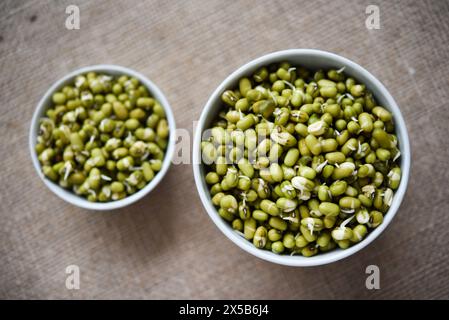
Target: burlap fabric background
point(165, 246)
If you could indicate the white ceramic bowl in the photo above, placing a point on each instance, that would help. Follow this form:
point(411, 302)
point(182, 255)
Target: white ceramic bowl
point(311, 59)
point(68, 195)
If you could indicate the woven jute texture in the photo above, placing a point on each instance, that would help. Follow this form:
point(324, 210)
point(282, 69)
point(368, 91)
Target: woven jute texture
point(165, 246)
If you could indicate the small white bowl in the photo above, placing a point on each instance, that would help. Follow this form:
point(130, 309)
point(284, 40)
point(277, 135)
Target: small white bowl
point(310, 59)
point(70, 196)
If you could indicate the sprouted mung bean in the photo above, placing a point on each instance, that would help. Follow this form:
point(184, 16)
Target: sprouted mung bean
point(104, 137)
point(301, 162)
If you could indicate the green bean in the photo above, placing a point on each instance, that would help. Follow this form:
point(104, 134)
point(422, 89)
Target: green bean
point(274, 235)
point(269, 207)
point(338, 188)
point(93, 126)
point(313, 144)
point(287, 190)
point(226, 214)
point(249, 228)
point(383, 138)
point(349, 203)
point(350, 146)
point(382, 113)
point(376, 218)
point(291, 155)
point(324, 239)
point(261, 74)
point(335, 157)
point(329, 145)
point(383, 154)
point(277, 223)
point(212, 178)
point(229, 203)
point(288, 241)
point(246, 122)
point(277, 247)
point(324, 193)
point(307, 172)
point(329, 221)
point(275, 152)
point(229, 98)
point(327, 171)
point(357, 90)
point(314, 224)
point(148, 172)
point(394, 178)
point(237, 224)
point(344, 170)
point(329, 209)
point(358, 233)
point(244, 86)
point(300, 241)
point(317, 128)
point(260, 215)
point(264, 107)
point(260, 237)
point(276, 172)
point(307, 234)
point(342, 233)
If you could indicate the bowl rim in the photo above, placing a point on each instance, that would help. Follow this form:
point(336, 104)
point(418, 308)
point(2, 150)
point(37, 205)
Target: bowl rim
point(68, 195)
point(300, 261)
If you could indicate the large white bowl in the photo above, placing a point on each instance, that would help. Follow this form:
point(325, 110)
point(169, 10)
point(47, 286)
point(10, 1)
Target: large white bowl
point(311, 59)
point(45, 102)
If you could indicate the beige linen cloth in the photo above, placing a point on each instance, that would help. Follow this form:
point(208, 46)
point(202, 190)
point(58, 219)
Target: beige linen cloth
point(165, 246)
